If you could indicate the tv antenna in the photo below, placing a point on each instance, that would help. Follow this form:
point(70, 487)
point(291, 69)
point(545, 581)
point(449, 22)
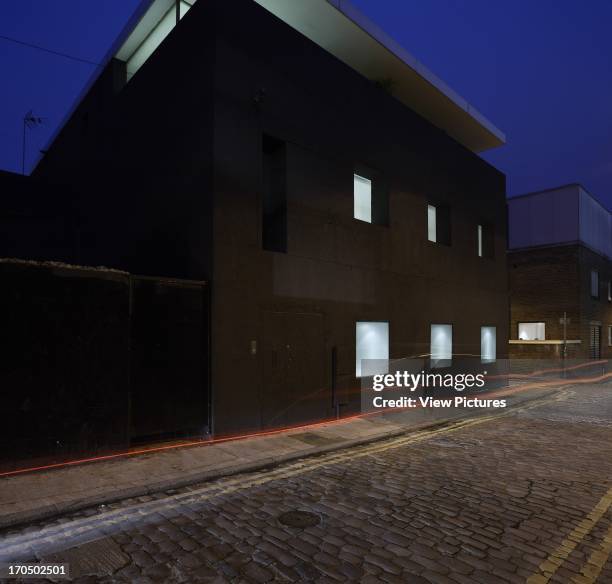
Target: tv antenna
point(30, 121)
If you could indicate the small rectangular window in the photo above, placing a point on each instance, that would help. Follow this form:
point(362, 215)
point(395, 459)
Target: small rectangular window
point(488, 344)
point(371, 348)
point(484, 241)
point(274, 197)
point(531, 331)
point(594, 283)
point(362, 198)
point(441, 345)
point(609, 336)
point(438, 224)
point(609, 290)
point(431, 223)
point(370, 196)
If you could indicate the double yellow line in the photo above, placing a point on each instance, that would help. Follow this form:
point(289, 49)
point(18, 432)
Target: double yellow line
point(302, 466)
point(596, 561)
point(546, 570)
point(12, 546)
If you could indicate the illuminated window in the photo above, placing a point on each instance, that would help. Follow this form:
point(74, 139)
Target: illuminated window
point(431, 223)
point(370, 196)
point(594, 283)
point(609, 336)
point(372, 348)
point(609, 291)
point(441, 345)
point(531, 331)
point(488, 343)
point(362, 198)
point(438, 224)
point(484, 240)
point(154, 26)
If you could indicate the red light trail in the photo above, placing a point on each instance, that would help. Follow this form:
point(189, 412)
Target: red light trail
point(287, 429)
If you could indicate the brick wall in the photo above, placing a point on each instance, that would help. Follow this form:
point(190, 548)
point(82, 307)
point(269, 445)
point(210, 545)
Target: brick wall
point(545, 283)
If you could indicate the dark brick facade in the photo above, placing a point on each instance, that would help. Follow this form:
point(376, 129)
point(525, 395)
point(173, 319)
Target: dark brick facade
point(166, 173)
point(546, 282)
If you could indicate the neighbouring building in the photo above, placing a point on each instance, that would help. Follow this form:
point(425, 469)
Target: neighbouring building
point(320, 185)
point(560, 271)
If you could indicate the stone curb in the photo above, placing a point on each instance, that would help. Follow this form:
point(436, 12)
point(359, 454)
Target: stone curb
point(23, 518)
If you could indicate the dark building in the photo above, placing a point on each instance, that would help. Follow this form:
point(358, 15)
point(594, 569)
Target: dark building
point(323, 186)
point(560, 250)
point(35, 219)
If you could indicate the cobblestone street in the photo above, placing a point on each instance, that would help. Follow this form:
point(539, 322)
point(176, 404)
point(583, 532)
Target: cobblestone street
point(521, 497)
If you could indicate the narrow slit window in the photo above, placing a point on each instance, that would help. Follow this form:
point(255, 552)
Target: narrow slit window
point(431, 223)
point(274, 195)
point(485, 242)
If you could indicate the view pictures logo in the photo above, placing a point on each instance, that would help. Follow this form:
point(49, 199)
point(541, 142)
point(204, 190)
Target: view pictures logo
point(413, 381)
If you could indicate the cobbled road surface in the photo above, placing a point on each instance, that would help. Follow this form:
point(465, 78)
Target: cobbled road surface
point(521, 497)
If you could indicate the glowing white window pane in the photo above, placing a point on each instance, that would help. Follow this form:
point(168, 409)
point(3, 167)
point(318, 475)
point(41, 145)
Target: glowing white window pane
point(532, 331)
point(362, 198)
point(594, 283)
point(431, 223)
point(480, 241)
point(441, 347)
point(488, 343)
point(372, 342)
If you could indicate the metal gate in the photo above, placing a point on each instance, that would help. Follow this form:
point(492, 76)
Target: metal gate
point(169, 349)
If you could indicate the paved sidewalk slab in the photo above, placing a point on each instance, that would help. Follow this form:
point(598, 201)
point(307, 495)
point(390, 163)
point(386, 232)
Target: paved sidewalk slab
point(38, 495)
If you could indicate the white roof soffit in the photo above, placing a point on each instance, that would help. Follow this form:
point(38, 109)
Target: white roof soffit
point(147, 23)
point(155, 11)
point(339, 28)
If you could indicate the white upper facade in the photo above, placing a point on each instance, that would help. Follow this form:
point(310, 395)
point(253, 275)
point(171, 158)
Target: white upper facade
point(567, 214)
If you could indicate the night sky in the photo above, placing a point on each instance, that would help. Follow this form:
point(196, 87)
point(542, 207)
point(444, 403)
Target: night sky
point(540, 70)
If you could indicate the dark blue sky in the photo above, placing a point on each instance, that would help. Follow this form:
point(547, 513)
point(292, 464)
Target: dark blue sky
point(540, 70)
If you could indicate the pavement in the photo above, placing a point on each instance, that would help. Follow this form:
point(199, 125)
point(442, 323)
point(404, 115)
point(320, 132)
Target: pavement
point(39, 495)
point(497, 498)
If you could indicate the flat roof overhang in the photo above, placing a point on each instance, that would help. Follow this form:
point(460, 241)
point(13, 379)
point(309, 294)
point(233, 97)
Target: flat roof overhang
point(342, 30)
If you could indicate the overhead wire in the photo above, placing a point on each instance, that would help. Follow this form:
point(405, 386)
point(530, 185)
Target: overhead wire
point(46, 50)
